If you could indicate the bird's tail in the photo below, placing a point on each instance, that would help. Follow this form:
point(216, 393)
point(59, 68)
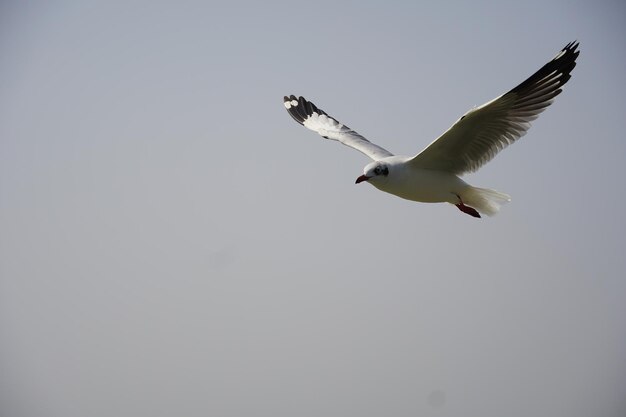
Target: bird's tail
point(484, 200)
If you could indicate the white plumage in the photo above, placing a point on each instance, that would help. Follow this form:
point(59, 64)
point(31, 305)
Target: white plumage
point(432, 175)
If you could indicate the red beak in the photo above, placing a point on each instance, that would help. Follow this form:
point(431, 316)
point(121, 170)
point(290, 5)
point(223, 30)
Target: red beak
point(361, 179)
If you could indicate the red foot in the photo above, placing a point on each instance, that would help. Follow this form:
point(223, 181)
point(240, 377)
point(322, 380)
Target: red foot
point(469, 210)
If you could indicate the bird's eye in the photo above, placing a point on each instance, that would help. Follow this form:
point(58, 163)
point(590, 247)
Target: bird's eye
point(377, 170)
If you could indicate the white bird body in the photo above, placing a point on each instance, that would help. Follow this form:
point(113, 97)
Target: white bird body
point(432, 176)
point(415, 184)
point(432, 186)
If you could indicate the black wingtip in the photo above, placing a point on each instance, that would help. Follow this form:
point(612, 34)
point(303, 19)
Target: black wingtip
point(570, 51)
point(563, 63)
point(300, 109)
point(573, 45)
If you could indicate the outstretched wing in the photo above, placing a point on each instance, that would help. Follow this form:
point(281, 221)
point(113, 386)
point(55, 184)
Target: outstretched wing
point(308, 115)
point(484, 131)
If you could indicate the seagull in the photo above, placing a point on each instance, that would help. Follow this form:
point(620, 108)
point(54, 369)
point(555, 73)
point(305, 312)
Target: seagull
point(433, 175)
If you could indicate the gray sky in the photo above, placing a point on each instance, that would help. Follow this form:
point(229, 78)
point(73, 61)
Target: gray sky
point(173, 243)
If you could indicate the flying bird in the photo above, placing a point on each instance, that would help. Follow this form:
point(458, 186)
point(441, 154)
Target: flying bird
point(432, 176)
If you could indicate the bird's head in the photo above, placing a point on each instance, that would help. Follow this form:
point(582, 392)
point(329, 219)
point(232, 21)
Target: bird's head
point(374, 171)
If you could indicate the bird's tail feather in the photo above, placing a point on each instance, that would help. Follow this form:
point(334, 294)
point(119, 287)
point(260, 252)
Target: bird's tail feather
point(485, 200)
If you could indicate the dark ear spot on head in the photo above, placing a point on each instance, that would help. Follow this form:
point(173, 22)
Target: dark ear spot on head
point(381, 170)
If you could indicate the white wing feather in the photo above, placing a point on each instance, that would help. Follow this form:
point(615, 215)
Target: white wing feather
point(308, 115)
point(484, 131)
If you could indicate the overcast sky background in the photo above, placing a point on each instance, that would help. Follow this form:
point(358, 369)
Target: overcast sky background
point(173, 243)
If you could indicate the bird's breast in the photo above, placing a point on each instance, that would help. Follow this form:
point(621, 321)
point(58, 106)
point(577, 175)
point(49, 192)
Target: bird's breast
point(426, 186)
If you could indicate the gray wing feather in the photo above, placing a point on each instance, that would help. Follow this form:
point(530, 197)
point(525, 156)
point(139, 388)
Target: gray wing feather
point(484, 131)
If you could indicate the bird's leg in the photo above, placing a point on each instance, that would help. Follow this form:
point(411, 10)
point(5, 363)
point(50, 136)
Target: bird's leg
point(467, 209)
